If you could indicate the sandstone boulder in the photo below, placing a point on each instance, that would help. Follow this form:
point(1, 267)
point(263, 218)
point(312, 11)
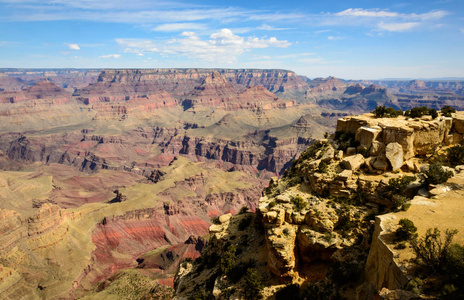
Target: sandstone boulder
point(350, 151)
point(380, 163)
point(376, 148)
point(394, 153)
point(367, 135)
point(344, 175)
point(225, 218)
point(328, 155)
point(338, 155)
point(353, 162)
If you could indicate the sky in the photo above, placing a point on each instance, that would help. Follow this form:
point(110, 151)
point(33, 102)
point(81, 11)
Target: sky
point(350, 39)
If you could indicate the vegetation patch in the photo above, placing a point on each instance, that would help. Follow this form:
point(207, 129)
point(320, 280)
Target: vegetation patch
point(417, 112)
point(447, 110)
point(298, 202)
point(386, 112)
point(406, 231)
point(435, 175)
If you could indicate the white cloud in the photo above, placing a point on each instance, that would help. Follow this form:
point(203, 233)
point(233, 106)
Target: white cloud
point(269, 27)
point(334, 38)
point(378, 13)
point(221, 46)
point(74, 47)
point(178, 27)
point(397, 27)
point(359, 12)
point(110, 56)
point(433, 15)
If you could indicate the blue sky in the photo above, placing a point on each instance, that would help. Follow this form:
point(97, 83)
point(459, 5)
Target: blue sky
point(357, 39)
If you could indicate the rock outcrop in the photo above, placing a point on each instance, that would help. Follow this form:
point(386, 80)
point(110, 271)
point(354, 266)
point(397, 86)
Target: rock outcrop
point(318, 219)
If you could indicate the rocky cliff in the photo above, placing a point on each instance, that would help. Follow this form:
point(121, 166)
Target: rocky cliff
point(320, 237)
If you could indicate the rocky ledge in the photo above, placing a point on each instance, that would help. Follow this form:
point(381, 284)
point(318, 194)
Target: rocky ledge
point(328, 223)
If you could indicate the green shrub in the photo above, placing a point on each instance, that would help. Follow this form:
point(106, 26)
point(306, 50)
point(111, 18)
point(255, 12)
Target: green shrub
point(406, 232)
point(414, 285)
point(406, 206)
point(384, 112)
point(447, 111)
point(228, 260)
point(298, 202)
point(417, 112)
point(253, 284)
point(397, 186)
point(455, 155)
point(323, 167)
point(435, 175)
point(431, 252)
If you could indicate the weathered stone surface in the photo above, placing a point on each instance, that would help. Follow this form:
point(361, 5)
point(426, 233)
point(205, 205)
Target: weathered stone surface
point(386, 294)
point(344, 175)
point(380, 163)
point(394, 153)
point(353, 162)
point(376, 148)
point(282, 199)
point(453, 138)
point(439, 190)
point(271, 216)
point(423, 192)
point(350, 151)
point(338, 155)
point(367, 135)
point(328, 154)
point(458, 123)
point(225, 218)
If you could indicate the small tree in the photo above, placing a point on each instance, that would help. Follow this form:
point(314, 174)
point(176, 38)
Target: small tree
point(435, 175)
point(380, 111)
point(447, 111)
point(431, 252)
point(228, 260)
point(406, 232)
point(455, 155)
point(253, 284)
point(299, 202)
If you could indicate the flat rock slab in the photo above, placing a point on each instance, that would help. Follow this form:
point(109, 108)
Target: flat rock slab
point(353, 162)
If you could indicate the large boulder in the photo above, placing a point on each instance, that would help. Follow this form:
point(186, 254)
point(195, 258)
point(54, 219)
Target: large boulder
point(367, 135)
point(394, 153)
point(353, 162)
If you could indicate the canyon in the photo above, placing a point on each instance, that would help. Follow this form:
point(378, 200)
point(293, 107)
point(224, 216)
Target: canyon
point(111, 178)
